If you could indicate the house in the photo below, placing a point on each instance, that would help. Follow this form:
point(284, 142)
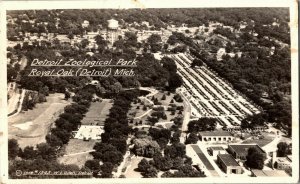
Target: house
point(216, 150)
point(268, 173)
point(240, 151)
point(228, 164)
point(216, 136)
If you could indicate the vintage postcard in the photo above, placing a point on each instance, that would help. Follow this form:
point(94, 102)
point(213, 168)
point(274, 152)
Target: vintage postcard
point(149, 91)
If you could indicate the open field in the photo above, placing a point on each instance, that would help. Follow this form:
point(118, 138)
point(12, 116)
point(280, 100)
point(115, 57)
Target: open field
point(74, 152)
point(97, 113)
point(78, 160)
point(31, 127)
point(77, 145)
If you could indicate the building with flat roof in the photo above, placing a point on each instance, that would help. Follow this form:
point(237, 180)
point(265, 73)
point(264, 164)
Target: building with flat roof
point(216, 150)
point(215, 136)
point(228, 164)
point(200, 159)
point(268, 173)
point(240, 151)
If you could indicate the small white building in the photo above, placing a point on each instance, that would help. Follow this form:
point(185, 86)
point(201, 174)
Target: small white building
point(85, 24)
point(216, 150)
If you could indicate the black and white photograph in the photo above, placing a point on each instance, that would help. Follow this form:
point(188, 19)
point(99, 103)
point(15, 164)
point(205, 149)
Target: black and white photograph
point(123, 94)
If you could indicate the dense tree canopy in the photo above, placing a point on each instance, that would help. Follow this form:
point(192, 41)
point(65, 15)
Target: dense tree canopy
point(202, 124)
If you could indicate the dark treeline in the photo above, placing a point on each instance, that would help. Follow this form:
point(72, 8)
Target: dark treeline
point(113, 143)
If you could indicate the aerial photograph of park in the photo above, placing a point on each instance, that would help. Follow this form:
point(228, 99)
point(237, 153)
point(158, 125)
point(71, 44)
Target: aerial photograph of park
point(149, 93)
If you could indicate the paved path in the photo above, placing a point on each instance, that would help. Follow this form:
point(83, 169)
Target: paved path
point(79, 153)
point(147, 112)
point(186, 118)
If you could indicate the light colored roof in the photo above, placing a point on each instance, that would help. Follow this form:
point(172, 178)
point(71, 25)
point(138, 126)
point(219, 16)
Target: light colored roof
point(215, 133)
point(273, 173)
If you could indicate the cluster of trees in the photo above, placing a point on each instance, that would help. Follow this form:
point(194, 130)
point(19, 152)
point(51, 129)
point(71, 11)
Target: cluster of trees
point(145, 146)
point(174, 80)
point(192, 138)
point(32, 97)
point(174, 158)
point(195, 126)
point(253, 121)
point(150, 72)
point(156, 116)
point(284, 149)
point(12, 72)
point(154, 42)
point(202, 124)
point(196, 62)
point(225, 32)
point(178, 98)
point(113, 146)
point(161, 136)
point(41, 158)
point(180, 38)
point(173, 107)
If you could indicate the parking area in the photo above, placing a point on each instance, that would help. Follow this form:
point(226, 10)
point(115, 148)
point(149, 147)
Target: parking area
point(210, 96)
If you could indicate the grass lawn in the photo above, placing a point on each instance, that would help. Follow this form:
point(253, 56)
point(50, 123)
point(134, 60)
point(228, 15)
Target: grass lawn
point(134, 112)
point(165, 102)
point(78, 160)
point(170, 116)
point(97, 113)
point(40, 120)
point(76, 146)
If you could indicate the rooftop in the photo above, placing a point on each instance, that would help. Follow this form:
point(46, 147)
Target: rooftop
point(242, 149)
point(228, 160)
point(202, 157)
point(215, 133)
point(273, 173)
